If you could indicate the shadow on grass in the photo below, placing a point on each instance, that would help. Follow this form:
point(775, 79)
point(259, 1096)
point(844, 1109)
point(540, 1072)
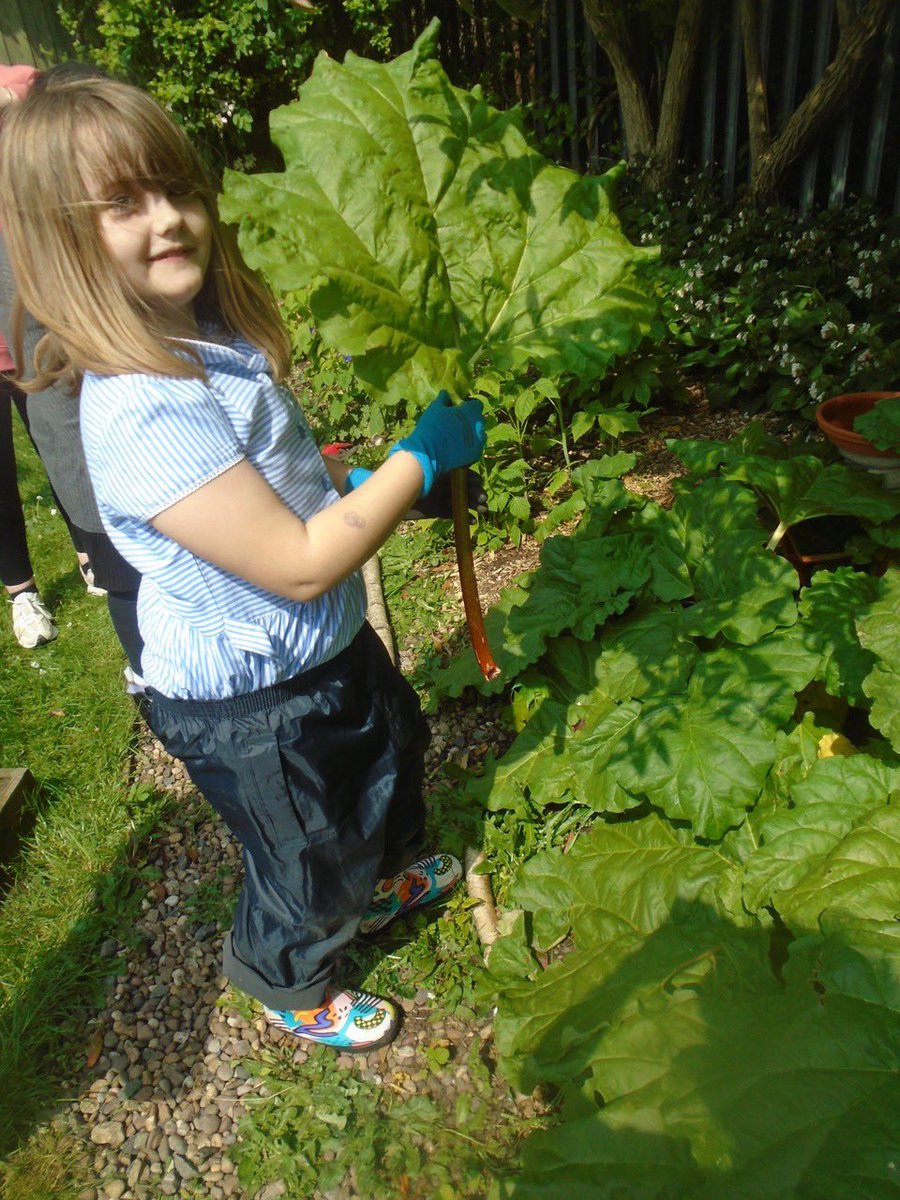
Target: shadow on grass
point(43, 1041)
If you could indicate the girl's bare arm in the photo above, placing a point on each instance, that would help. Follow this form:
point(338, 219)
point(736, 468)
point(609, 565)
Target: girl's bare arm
point(238, 522)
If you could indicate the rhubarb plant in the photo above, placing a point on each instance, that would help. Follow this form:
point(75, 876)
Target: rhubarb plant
point(881, 425)
point(430, 235)
point(795, 486)
point(708, 977)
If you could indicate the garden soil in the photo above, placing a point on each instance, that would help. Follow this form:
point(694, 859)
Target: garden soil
point(167, 1082)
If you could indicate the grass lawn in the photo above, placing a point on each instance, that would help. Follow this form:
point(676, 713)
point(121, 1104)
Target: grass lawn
point(63, 715)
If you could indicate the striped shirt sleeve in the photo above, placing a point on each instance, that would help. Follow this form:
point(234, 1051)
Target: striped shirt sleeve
point(153, 441)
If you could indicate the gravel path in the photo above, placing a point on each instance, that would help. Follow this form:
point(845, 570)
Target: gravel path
point(167, 1083)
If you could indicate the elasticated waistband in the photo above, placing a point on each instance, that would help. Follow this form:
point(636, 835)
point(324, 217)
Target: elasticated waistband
point(260, 701)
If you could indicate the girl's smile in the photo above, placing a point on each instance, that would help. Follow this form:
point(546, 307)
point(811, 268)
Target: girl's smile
point(161, 244)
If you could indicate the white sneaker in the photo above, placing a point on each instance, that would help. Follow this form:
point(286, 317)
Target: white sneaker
point(87, 575)
point(134, 683)
point(32, 623)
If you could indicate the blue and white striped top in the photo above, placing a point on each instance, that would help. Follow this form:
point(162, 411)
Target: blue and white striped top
point(150, 441)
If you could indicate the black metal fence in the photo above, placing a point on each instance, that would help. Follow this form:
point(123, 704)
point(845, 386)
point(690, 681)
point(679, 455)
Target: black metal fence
point(558, 71)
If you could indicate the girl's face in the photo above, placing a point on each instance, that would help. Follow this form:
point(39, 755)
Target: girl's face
point(161, 244)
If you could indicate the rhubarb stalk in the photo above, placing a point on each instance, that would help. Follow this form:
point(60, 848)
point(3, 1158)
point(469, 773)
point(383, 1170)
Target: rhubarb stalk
point(474, 617)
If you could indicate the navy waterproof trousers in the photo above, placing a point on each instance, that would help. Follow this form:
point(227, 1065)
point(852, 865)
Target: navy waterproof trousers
point(320, 779)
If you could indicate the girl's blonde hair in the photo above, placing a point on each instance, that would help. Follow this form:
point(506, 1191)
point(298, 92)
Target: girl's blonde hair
point(63, 147)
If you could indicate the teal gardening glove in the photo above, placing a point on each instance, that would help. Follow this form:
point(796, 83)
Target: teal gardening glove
point(445, 437)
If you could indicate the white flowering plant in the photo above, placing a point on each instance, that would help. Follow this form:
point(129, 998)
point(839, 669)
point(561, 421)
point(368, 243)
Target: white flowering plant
point(774, 309)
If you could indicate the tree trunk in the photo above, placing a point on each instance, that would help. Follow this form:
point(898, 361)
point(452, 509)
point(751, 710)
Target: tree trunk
point(859, 40)
point(679, 72)
point(757, 99)
point(608, 20)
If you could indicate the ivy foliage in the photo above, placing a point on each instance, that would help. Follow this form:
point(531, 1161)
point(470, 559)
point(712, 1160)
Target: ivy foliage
point(222, 67)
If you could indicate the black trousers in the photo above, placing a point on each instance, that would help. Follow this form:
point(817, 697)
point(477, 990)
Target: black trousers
point(320, 778)
point(15, 561)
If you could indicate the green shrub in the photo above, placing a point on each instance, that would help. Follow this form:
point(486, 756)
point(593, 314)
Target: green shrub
point(221, 68)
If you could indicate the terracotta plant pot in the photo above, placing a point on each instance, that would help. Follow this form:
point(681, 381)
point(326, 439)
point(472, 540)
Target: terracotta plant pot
point(835, 418)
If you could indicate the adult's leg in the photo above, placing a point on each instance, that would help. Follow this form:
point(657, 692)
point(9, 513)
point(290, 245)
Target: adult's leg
point(121, 583)
point(15, 564)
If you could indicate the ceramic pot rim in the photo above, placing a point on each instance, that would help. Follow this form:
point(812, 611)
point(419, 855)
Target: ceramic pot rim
point(845, 437)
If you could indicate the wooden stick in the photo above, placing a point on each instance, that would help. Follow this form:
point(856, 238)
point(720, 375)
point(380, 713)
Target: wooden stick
point(376, 609)
point(484, 913)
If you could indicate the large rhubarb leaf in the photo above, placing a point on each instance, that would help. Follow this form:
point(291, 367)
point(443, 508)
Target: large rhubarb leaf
point(639, 654)
point(879, 632)
point(795, 486)
point(711, 543)
point(712, 1098)
point(687, 1071)
point(619, 884)
point(583, 580)
point(697, 762)
point(765, 675)
point(706, 456)
point(802, 845)
point(856, 958)
point(858, 878)
point(829, 607)
point(804, 486)
point(431, 233)
point(562, 751)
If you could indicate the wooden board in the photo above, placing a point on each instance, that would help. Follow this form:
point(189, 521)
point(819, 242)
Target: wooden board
point(15, 784)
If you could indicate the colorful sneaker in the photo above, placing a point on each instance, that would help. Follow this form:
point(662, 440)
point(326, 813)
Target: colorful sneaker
point(32, 623)
point(422, 883)
point(349, 1021)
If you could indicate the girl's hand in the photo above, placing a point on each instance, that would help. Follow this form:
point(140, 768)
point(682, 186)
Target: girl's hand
point(446, 436)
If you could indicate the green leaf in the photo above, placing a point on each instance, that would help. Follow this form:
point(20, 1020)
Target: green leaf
point(765, 676)
point(803, 487)
point(618, 885)
point(828, 608)
point(583, 580)
point(705, 457)
point(879, 633)
point(431, 234)
point(856, 958)
point(709, 546)
point(742, 596)
point(859, 877)
point(581, 424)
point(699, 759)
point(790, 868)
point(642, 654)
point(881, 424)
point(713, 1081)
point(562, 751)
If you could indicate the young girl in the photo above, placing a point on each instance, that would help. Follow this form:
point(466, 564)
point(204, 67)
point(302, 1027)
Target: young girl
point(264, 678)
